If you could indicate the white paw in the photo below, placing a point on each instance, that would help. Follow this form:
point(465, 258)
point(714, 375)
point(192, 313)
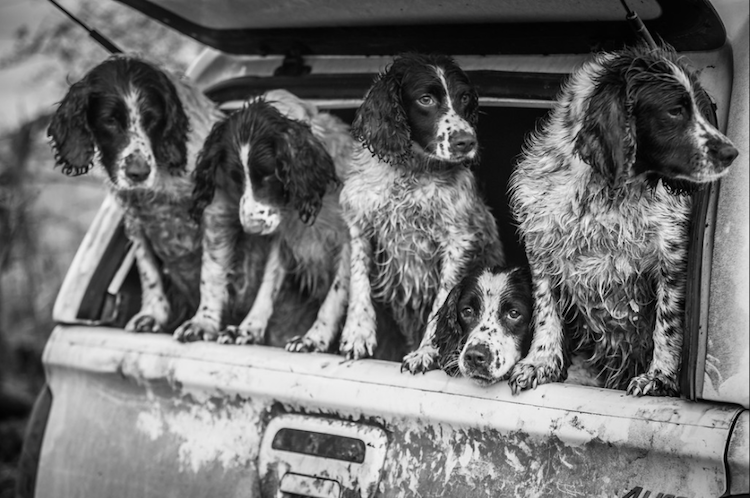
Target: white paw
point(197, 328)
point(317, 340)
point(422, 360)
point(244, 333)
point(144, 321)
point(359, 338)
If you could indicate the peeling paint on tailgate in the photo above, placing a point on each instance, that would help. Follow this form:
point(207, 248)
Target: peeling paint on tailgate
point(142, 415)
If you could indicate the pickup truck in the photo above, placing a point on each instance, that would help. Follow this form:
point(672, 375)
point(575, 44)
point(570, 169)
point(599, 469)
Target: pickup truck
point(142, 415)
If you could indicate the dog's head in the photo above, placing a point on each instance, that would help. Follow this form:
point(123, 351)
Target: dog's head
point(648, 115)
point(483, 328)
point(268, 164)
point(126, 114)
point(423, 104)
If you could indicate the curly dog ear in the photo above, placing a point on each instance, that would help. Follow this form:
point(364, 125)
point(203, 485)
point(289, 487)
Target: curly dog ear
point(449, 337)
point(607, 139)
point(305, 169)
point(172, 148)
point(381, 122)
point(71, 138)
point(208, 165)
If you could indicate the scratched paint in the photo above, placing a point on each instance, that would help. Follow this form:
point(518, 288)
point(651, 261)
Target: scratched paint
point(173, 420)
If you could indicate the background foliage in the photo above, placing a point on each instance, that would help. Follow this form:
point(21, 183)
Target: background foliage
point(44, 214)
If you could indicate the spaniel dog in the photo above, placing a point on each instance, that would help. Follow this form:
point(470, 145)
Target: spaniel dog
point(601, 199)
point(144, 127)
point(484, 326)
point(410, 201)
point(265, 174)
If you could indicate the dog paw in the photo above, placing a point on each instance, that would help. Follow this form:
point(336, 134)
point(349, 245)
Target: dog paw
point(144, 322)
point(358, 339)
point(317, 340)
point(422, 360)
point(197, 329)
point(357, 343)
point(650, 384)
point(242, 334)
point(304, 344)
point(527, 375)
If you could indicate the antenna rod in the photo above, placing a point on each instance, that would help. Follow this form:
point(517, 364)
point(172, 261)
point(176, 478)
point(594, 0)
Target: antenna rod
point(637, 25)
point(108, 45)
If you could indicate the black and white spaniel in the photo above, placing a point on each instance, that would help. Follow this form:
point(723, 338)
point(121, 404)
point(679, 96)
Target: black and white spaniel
point(601, 199)
point(144, 127)
point(484, 326)
point(411, 203)
point(265, 174)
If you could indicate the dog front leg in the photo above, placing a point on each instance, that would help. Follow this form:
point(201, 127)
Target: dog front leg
point(219, 237)
point(662, 377)
point(453, 262)
point(155, 308)
point(359, 337)
point(324, 331)
point(545, 361)
point(252, 329)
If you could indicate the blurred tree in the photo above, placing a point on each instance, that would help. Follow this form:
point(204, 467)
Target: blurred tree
point(70, 51)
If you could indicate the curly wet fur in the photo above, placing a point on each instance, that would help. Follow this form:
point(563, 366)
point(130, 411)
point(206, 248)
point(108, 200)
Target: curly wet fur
point(128, 112)
point(410, 200)
point(605, 233)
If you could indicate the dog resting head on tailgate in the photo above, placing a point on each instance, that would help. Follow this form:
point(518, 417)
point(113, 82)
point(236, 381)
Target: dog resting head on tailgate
point(483, 328)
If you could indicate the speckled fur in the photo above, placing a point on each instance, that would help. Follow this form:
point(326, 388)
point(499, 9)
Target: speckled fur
point(295, 215)
point(604, 229)
point(167, 241)
point(414, 213)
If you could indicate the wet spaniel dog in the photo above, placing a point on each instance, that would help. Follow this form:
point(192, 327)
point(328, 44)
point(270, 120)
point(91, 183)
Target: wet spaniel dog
point(601, 199)
point(265, 174)
point(411, 203)
point(144, 127)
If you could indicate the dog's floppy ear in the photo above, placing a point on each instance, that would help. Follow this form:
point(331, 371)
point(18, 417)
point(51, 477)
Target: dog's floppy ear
point(305, 169)
point(208, 163)
point(172, 148)
point(607, 138)
point(71, 137)
point(449, 337)
point(381, 122)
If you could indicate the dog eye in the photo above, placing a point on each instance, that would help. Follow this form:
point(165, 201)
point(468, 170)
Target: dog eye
point(465, 99)
point(676, 112)
point(426, 100)
point(148, 120)
point(514, 314)
point(236, 177)
point(110, 122)
point(467, 312)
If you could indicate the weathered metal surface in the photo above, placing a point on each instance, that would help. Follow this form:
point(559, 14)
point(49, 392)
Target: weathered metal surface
point(142, 415)
point(728, 345)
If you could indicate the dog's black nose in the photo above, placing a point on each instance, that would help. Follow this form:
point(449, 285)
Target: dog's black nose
point(477, 355)
point(463, 142)
point(726, 154)
point(136, 168)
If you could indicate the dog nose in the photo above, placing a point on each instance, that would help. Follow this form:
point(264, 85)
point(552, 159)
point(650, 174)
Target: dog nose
point(463, 142)
point(477, 355)
point(136, 168)
point(726, 154)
